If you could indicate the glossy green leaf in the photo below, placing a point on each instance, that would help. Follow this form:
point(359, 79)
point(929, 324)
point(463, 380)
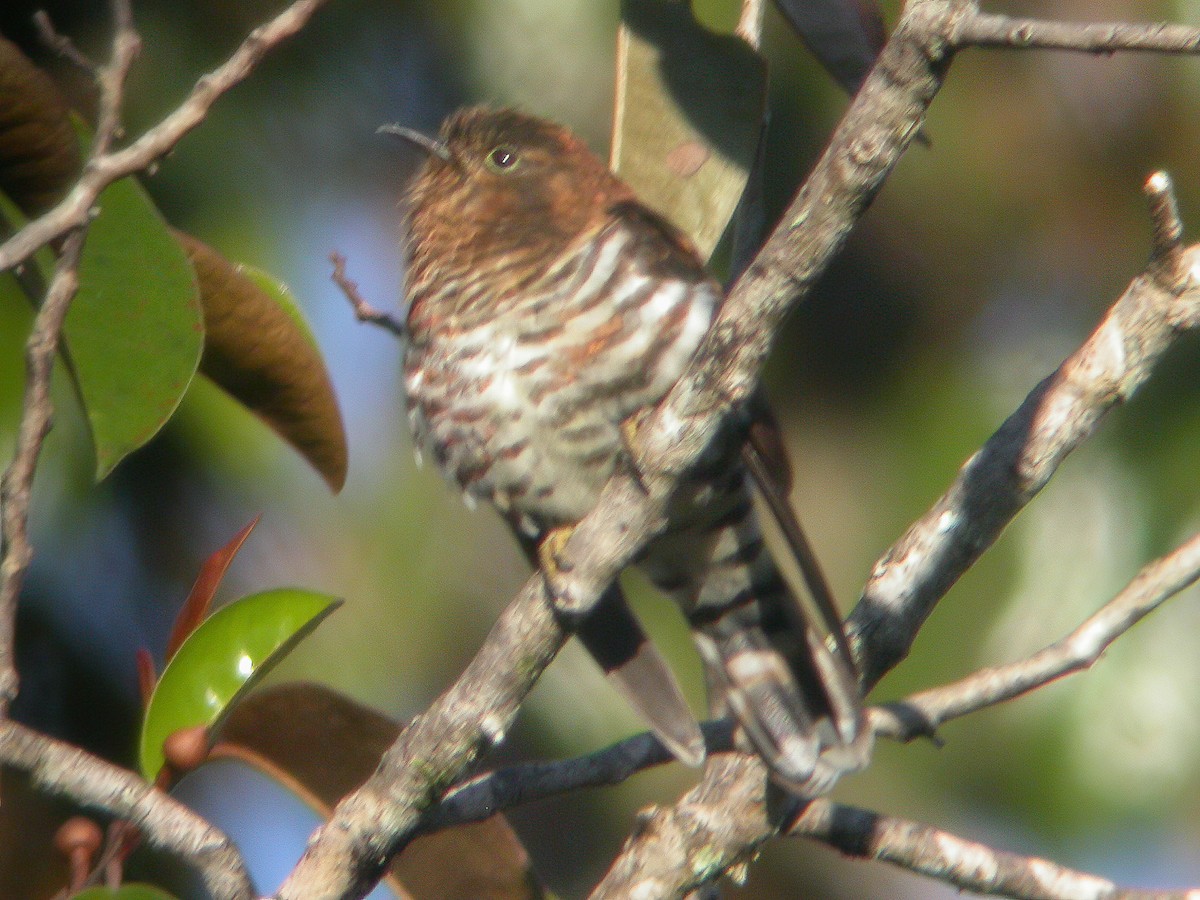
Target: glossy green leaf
point(124, 892)
point(689, 116)
point(225, 656)
point(135, 330)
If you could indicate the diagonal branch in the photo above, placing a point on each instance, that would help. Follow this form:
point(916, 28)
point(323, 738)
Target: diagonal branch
point(1017, 461)
point(65, 770)
point(968, 865)
point(345, 855)
point(377, 820)
point(37, 408)
point(107, 167)
point(922, 713)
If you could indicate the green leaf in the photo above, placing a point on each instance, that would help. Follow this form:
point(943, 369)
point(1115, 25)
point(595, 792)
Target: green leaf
point(135, 330)
point(133, 336)
point(224, 657)
point(132, 891)
point(27, 283)
point(259, 349)
point(690, 106)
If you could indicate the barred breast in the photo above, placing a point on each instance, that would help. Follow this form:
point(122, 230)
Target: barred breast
point(523, 406)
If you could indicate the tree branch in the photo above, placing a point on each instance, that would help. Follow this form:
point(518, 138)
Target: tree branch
point(107, 167)
point(55, 766)
point(69, 772)
point(370, 825)
point(986, 30)
point(922, 713)
point(1018, 460)
point(968, 865)
point(492, 792)
point(16, 485)
point(347, 853)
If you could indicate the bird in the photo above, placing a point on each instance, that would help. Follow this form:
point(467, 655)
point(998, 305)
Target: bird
point(547, 309)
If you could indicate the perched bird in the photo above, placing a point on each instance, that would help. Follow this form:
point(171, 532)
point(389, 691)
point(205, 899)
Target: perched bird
point(546, 307)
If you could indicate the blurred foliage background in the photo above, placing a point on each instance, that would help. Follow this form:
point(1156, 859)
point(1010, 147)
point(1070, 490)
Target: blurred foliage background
point(988, 256)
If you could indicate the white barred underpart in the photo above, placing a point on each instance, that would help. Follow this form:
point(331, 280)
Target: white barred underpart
point(526, 413)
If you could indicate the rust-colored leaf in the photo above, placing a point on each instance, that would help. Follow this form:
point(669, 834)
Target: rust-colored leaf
point(39, 154)
point(147, 676)
point(258, 349)
point(199, 599)
point(324, 745)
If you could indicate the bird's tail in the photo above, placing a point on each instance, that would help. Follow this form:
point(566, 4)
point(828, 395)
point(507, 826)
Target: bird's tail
point(796, 699)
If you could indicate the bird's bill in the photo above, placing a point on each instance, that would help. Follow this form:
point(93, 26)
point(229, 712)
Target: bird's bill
point(423, 142)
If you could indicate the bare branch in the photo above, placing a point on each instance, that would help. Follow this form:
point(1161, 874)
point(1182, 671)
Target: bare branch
point(493, 792)
point(1018, 460)
point(73, 210)
point(986, 30)
point(922, 713)
point(714, 827)
point(40, 349)
point(363, 310)
point(61, 44)
point(371, 824)
point(167, 824)
point(968, 865)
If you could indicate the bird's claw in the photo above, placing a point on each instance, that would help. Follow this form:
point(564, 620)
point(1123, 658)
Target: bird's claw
point(629, 441)
point(550, 552)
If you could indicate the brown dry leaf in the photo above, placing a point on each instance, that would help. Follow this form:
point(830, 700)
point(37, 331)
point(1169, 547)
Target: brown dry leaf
point(258, 349)
point(39, 151)
point(323, 745)
point(689, 116)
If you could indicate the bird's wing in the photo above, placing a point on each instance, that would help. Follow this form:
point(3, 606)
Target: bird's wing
point(765, 458)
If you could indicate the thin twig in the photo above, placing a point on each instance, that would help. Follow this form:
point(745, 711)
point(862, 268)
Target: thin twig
point(987, 30)
point(363, 310)
point(1017, 461)
point(61, 44)
point(67, 771)
point(37, 408)
point(73, 209)
point(492, 792)
point(968, 865)
point(923, 713)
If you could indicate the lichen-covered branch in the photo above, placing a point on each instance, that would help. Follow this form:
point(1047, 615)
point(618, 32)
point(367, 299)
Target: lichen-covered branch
point(69, 772)
point(968, 865)
point(1017, 461)
point(922, 713)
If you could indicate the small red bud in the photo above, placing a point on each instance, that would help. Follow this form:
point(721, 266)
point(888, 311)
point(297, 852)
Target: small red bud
point(185, 749)
point(78, 839)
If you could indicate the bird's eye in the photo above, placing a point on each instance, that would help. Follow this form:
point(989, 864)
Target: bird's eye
point(502, 159)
